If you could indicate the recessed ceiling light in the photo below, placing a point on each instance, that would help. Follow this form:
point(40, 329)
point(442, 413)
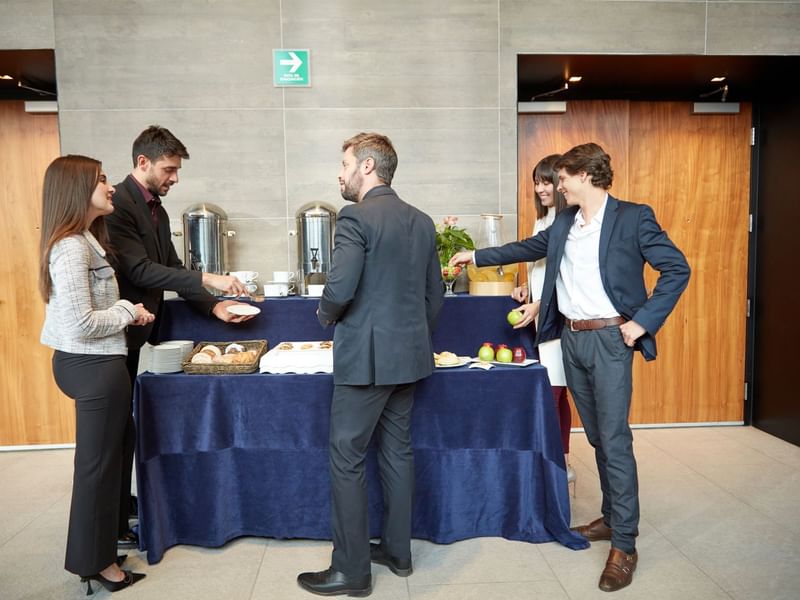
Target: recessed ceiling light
point(6, 77)
point(575, 79)
point(718, 79)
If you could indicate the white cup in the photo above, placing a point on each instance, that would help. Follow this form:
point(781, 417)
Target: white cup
point(315, 289)
point(283, 276)
point(278, 290)
point(245, 276)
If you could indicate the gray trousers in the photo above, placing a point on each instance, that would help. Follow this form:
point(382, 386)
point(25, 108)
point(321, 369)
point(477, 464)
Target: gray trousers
point(597, 365)
point(356, 413)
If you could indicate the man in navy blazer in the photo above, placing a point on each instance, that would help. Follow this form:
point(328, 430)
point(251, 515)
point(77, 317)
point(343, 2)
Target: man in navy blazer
point(383, 293)
point(595, 300)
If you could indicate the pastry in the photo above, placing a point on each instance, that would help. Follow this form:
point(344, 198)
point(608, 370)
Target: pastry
point(306, 346)
point(326, 344)
point(202, 358)
point(213, 349)
point(234, 348)
point(237, 358)
point(285, 346)
point(445, 358)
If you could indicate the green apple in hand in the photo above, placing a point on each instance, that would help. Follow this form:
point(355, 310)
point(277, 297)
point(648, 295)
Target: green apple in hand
point(514, 317)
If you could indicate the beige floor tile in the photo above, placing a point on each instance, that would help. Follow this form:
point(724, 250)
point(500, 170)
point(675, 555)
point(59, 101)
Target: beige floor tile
point(770, 445)
point(31, 485)
point(516, 590)
point(479, 560)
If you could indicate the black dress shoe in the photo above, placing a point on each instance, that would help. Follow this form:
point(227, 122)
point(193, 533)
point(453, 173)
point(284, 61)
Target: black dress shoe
point(399, 566)
point(335, 583)
point(128, 540)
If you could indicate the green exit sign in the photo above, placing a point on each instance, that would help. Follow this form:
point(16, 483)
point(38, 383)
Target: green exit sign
point(291, 68)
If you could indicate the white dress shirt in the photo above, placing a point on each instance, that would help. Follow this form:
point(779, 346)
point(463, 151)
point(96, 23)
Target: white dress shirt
point(579, 287)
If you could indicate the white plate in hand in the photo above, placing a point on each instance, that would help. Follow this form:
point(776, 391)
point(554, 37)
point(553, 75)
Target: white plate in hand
point(243, 309)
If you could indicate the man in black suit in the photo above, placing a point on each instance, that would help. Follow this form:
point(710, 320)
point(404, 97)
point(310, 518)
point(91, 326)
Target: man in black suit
point(595, 300)
point(383, 292)
point(146, 264)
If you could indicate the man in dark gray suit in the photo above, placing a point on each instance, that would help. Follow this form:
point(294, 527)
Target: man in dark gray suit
point(594, 298)
point(383, 293)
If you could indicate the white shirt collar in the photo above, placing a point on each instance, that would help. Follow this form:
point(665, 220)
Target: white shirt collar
point(597, 218)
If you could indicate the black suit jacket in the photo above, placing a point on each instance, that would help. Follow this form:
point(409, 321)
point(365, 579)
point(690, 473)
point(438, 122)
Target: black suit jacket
point(384, 291)
point(629, 238)
point(145, 259)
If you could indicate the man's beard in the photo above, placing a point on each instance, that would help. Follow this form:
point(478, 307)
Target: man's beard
point(352, 187)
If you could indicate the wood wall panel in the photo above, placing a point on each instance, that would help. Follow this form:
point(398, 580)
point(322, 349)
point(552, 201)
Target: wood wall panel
point(32, 409)
point(694, 171)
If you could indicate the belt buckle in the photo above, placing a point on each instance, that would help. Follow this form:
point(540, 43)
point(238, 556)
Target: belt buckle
point(572, 327)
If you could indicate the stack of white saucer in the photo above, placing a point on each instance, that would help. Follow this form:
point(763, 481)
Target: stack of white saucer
point(186, 346)
point(167, 358)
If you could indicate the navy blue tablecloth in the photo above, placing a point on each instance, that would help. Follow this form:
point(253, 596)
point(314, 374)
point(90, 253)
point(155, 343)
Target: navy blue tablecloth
point(464, 324)
point(220, 457)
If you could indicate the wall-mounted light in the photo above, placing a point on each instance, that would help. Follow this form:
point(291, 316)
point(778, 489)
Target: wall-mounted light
point(41, 106)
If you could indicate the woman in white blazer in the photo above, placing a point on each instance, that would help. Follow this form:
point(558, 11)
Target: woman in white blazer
point(85, 323)
point(549, 202)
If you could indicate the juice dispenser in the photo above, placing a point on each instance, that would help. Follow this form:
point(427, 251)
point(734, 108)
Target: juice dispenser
point(497, 280)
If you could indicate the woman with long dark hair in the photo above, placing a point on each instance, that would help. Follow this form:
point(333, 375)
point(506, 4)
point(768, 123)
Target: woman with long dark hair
point(85, 323)
point(548, 202)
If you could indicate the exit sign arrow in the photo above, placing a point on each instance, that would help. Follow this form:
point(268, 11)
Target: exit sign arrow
point(294, 60)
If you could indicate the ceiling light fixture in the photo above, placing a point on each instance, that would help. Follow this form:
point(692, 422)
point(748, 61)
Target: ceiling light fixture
point(551, 92)
point(575, 79)
point(718, 79)
point(6, 77)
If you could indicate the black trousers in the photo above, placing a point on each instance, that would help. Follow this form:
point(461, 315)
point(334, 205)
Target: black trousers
point(356, 413)
point(100, 386)
point(598, 366)
point(128, 446)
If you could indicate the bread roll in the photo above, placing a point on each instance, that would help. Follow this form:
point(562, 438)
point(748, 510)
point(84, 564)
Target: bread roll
point(234, 348)
point(202, 358)
point(213, 349)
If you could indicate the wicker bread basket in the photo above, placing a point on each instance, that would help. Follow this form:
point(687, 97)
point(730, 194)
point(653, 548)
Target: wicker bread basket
point(260, 346)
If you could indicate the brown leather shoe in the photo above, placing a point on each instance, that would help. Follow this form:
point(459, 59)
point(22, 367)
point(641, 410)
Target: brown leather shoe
point(619, 570)
point(595, 531)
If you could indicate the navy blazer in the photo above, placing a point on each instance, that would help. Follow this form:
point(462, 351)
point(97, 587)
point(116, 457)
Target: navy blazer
point(145, 259)
point(629, 238)
point(384, 291)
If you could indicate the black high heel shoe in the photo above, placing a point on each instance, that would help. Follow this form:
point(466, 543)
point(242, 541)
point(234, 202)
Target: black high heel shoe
point(112, 586)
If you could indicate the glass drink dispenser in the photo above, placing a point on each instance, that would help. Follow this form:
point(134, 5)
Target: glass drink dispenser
point(496, 280)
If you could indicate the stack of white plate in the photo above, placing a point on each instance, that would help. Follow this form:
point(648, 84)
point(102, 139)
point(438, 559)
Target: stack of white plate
point(167, 358)
point(186, 346)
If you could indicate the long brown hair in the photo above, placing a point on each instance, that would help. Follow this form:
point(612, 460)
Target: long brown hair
point(546, 172)
point(69, 183)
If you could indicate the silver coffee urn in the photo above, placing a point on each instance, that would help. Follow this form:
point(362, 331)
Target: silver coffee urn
point(205, 238)
point(316, 222)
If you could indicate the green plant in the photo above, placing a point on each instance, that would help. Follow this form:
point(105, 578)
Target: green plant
point(451, 239)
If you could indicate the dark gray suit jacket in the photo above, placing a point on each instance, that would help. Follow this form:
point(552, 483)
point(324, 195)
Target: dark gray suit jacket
point(145, 260)
point(629, 238)
point(384, 291)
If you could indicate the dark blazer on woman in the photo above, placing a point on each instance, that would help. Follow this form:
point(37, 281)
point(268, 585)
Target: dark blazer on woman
point(629, 238)
point(145, 259)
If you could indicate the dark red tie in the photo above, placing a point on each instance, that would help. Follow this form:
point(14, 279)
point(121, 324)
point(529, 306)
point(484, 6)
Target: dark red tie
point(153, 205)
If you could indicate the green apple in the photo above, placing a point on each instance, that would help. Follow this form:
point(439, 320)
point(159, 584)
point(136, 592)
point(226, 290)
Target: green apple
point(514, 317)
point(486, 353)
point(504, 354)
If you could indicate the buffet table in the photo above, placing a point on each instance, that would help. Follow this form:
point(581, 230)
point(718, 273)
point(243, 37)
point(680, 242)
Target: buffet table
point(225, 456)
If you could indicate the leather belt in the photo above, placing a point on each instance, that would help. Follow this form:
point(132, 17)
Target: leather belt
point(588, 324)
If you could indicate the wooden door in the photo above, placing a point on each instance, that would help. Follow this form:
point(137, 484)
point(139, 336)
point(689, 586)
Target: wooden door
point(694, 170)
point(32, 409)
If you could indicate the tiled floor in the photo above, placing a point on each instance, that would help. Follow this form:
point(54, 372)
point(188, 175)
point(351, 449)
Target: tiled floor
point(720, 520)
